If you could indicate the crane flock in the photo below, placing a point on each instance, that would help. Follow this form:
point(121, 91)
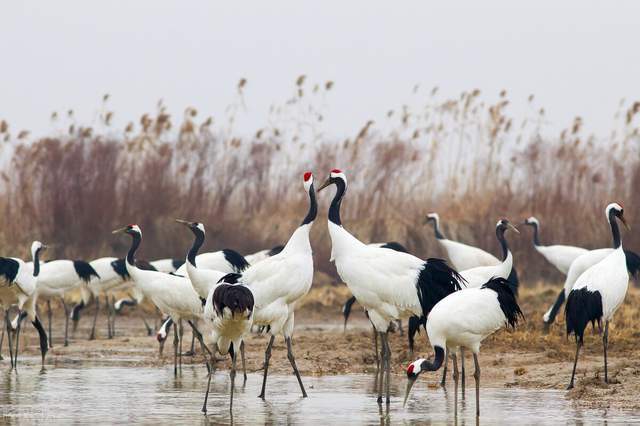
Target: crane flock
point(222, 295)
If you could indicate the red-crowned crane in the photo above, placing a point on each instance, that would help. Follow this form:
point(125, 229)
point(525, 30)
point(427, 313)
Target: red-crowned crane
point(172, 294)
point(279, 282)
point(463, 320)
point(390, 285)
point(18, 286)
point(599, 292)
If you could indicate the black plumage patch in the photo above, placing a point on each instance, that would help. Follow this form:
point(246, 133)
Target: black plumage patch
point(121, 269)
point(44, 341)
point(583, 306)
point(177, 263)
point(346, 309)
point(84, 270)
point(415, 323)
point(9, 269)
point(236, 260)
point(633, 263)
point(435, 282)
point(514, 282)
point(203, 301)
point(231, 278)
point(237, 298)
point(556, 307)
point(506, 299)
point(395, 246)
point(275, 250)
point(75, 311)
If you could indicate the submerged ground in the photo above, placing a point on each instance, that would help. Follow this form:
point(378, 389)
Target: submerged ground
point(526, 359)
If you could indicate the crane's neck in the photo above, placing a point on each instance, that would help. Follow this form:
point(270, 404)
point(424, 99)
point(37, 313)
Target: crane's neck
point(197, 243)
point(437, 361)
point(503, 243)
point(36, 262)
point(536, 238)
point(615, 230)
point(334, 209)
point(135, 243)
point(313, 207)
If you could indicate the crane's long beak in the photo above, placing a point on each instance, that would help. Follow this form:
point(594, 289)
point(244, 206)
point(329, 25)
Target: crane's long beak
point(410, 383)
point(513, 228)
point(324, 185)
point(117, 231)
point(624, 222)
point(184, 222)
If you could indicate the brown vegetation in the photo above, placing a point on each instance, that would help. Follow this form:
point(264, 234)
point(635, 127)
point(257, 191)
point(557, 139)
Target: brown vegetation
point(466, 158)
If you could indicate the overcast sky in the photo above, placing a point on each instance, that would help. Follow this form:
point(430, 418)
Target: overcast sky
point(578, 57)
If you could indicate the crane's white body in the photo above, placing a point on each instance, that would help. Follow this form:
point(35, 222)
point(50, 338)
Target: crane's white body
point(476, 277)
point(22, 291)
point(203, 280)
point(382, 280)
point(173, 295)
point(561, 256)
point(280, 281)
point(214, 260)
point(257, 256)
point(464, 319)
point(57, 278)
point(164, 265)
point(464, 257)
point(610, 278)
point(226, 328)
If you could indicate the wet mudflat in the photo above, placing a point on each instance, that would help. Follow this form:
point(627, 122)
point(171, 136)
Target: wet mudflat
point(107, 394)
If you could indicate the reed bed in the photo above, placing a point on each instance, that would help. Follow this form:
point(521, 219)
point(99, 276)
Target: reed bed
point(465, 157)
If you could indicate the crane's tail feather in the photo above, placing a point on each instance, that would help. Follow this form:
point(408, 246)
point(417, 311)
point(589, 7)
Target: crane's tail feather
point(583, 306)
point(507, 300)
point(436, 281)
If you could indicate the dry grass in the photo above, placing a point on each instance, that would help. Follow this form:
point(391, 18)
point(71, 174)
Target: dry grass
point(465, 157)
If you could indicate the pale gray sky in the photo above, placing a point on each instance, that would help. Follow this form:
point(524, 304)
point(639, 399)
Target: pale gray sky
point(578, 57)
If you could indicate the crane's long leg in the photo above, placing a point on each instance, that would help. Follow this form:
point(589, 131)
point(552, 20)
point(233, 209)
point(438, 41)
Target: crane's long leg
point(92, 335)
point(175, 348)
point(267, 357)
point(15, 352)
point(232, 375)
point(462, 370)
point(49, 315)
point(2, 341)
point(456, 376)
point(112, 312)
point(7, 323)
point(476, 375)
point(292, 360)
point(399, 322)
point(605, 344)
point(444, 370)
point(180, 342)
point(244, 367)
point(205, 350)
point(387, 365)
point(375, 350)
point(66, 322)
point(380, 372)
point(575, 363)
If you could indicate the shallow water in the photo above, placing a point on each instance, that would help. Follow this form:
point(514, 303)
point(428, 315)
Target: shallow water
point(104, 394)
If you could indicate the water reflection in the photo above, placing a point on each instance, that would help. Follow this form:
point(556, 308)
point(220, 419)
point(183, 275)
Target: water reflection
point(100, 395)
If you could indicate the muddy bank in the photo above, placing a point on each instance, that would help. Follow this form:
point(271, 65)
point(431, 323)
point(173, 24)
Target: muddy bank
point(527, 358)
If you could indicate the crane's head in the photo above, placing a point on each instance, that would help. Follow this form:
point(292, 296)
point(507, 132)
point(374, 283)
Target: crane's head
point(413, 371)
point(431, 218)
point(194, 226)
point(308, 180)
point(531, 221)
point(335, 176)
point(504, 224)
point(37, 247)
point(616, 210)
point(129, 229)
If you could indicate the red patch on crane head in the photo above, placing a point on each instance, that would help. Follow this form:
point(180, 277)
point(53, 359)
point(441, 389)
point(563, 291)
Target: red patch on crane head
point(307, 176)
point(131, 225)
point(410, 369)
point(336, 171)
